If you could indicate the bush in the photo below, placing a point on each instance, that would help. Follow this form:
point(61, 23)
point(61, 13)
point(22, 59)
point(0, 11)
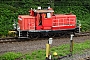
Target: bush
point(11, 9)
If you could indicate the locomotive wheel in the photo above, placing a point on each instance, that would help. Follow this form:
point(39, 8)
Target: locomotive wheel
point(35, 35)
point(59, 34)
point(62, 35)
point(66, 35)
point(51, 35)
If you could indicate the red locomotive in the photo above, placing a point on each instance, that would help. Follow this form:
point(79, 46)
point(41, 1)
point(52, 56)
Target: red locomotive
point(43, 22)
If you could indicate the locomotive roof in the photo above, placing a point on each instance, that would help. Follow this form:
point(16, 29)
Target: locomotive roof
point(43, 11)
point(26, 16)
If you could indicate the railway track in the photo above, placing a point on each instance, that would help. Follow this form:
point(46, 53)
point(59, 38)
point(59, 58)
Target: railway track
point(9, 39)
point(82, 34)
point(15, 39)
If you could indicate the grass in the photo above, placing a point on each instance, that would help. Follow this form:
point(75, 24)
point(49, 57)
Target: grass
point(10, 56)
point(40, 54)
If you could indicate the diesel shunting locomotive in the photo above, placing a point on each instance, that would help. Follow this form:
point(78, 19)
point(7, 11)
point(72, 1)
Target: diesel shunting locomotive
point(43, 22)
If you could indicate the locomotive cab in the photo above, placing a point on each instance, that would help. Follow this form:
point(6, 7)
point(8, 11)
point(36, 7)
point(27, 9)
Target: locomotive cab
point(43, 19)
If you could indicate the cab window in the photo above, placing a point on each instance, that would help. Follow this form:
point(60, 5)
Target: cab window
point(48, 15)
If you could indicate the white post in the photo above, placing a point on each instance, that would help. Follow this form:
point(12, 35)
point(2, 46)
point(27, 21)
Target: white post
point(49, 57)
point(79, 27)
point(50, 41)
point(71, 44)
point(71, 36)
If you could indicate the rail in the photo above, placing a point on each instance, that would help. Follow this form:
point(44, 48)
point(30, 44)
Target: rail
point(15, 39)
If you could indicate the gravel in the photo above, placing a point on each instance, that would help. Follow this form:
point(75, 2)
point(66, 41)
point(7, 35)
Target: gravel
point(79, 56)
point(29, 46)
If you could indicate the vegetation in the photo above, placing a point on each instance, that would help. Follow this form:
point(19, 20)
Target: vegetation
point(9, 11)
point(40, 54)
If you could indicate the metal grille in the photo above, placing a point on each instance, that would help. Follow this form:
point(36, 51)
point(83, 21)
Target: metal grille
point(59, 22)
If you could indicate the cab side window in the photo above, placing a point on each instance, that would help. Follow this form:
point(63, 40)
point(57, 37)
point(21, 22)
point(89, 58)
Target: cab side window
point(48, 15)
